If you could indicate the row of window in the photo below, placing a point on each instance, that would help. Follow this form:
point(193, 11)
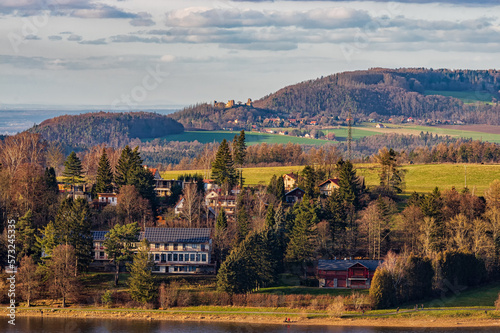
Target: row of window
point(187, 257)
point(177, 247)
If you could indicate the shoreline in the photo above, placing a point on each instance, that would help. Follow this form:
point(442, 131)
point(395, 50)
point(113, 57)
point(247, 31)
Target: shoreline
point(299, 319)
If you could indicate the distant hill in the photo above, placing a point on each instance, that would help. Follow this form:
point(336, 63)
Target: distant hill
point(386, 92)
point(113, 129)
point(440, 94)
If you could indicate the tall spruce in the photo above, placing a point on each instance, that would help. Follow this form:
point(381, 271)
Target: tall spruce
point(239, 154)
point(104, 179)
point(141, 283)
point(349, 184)
point(72, 173)
point(223, 171)
point(242, 218)
point(127, 164)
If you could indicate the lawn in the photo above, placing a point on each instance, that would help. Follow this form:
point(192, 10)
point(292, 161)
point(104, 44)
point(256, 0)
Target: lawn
point(370, 129)
point(470, 96)
point(483, 296)
point(292, 290)
point(421, 178)
point(251, 137)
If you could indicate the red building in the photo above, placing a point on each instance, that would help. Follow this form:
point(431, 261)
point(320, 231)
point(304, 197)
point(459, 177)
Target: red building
point(350, 274)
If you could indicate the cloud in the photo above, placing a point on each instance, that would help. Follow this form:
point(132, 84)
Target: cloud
point(100, 41)
point(32, 37)
point(74, 38)
point(455, 2)
point(326, 18)
point(55, 37)
point(74, 8)
point(143, 19)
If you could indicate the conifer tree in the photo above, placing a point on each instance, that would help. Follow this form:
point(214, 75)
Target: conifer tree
point(51, 180)
point(269, 222)
point(241, 218)
point(127, 164)
point(142, 282)
point(48, 240)
point(73, 228)
point(72, 173)
point(349, 187)
point(301, 247)
point(223, 171)
point(239, 154)
point(221, 240)
point(104, 177)
point(25, 236)
point(280, 189)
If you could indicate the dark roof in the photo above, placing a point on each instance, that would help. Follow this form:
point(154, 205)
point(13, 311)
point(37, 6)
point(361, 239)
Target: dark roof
point(176, 235)
point(333, 180)
point(295, 190)
point(343, 265)
point(99, 235)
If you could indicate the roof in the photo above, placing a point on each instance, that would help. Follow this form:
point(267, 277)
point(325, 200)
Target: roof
point(333, 180)
point(111, 195)
point(295, 190)
point(291, 175)
point(176, 235)
point(99, 235)
point(343, 265)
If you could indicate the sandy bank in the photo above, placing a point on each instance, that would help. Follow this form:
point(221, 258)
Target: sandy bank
point(258, 319)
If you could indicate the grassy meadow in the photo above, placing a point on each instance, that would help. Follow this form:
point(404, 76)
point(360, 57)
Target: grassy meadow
point(421, 178)
point(251, 137)
point(470, 96)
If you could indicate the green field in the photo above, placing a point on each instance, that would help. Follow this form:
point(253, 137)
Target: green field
point(370, 129)
point(421, 178)
point(470, 96)
point(251, 137)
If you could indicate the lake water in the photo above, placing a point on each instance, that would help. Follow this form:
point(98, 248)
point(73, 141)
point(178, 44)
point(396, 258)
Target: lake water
point(69, 325)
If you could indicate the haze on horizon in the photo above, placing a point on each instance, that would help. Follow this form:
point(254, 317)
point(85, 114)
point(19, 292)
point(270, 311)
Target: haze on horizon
point(139, 53)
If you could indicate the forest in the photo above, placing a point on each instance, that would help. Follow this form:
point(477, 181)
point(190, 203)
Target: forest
point(374, 93)
point(113, 129)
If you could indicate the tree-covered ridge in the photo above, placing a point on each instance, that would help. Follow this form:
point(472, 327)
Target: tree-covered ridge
point(387, 92)
point(112, 129)
point(209, 117)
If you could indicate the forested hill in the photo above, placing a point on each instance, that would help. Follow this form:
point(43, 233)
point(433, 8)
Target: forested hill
point(413, 92)
point(112, 129)
point(466, 95)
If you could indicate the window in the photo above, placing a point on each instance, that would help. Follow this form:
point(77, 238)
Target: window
point(157, 257)
point(157, 245)
point(203, 257)
point(156, 268)
point(195, 246)
point(176, 246)
point(170, 257)
point(186, 257)
point(184, 247)
point(176, 269)
point(192, 256)
point(175, 256)
point(101, 254)
point(197, 257)
point(203, 247)
point(181, 257)
point(165, 247)
point(163, 257)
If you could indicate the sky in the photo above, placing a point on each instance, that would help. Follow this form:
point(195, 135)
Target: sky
point(137, 54)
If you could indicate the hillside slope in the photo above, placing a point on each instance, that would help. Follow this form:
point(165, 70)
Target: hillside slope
point(437, 95)
point(112, 129)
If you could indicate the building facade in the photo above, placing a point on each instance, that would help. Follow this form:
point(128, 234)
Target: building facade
point(348, 274)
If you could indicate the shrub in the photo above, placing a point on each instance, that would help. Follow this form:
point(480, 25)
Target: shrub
point(107, 298)
point(382, 290)
point(336, 307)
point(497, 303)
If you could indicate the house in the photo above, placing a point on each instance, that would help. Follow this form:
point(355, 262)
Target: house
point(290, 180)
point(379, 126)
point(215, 199)
point(179, 206)
point(353, 274)
point(154, 171)
point(107, 199)
point(163, 187)
point(180, 250)
point(294, 195)
point(328, 186)
point(173, 250)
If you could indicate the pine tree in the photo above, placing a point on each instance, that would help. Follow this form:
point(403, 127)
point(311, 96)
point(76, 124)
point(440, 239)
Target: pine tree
point(349, 187)
point(47, 241)
point(242, 227)
point(269, 222)
point(223, 171)
point(301, 247)
point(51, 180)
point(239, 154)
point(280, 189)
point(72, 173)
point(141, 283)
point(127, 164)
point(73, 228)
point(25, 236)
point(382, 290)
point(221, 240)
point(104, 177)
point(308, 181)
